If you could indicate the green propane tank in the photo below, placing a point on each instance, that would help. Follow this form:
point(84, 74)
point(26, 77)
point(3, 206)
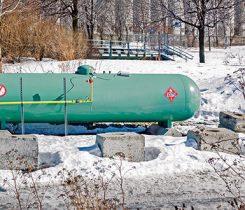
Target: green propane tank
point(90, 97)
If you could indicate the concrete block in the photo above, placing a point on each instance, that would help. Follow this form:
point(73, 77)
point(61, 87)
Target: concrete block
point(18, 152)
point(215, 139)
point(128, 145)
point(5, 133)
point(232, 120)
point(158, 130)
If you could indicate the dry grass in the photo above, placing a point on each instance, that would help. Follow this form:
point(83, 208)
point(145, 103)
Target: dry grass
point(26, 34)
point(100, 188)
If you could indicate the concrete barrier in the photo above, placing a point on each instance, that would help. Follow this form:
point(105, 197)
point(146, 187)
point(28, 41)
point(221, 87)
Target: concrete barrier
point(215, 139)
point(127, 145)
point(232, 120)
point(18, 152)
point(5, 133)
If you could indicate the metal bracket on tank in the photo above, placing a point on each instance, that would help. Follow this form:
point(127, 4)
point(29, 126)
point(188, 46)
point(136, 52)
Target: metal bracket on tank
point(2, 125)
point(165, 124)
point(22, 108)
point(65, 107)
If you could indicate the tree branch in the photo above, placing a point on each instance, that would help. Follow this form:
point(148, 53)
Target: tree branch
point(9, 11)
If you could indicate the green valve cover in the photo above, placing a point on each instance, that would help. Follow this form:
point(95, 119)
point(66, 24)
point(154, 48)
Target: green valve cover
point(98, 98)
point(84, 70)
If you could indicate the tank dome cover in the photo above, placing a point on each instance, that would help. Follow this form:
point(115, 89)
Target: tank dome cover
point(85, 70)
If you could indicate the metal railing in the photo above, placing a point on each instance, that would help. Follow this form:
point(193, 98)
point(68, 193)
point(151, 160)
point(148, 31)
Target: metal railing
point(178, 51)
point(139, 49)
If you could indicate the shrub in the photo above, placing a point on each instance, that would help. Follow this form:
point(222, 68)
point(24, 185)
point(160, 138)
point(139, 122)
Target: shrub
point(26, 34)
point(237, 80)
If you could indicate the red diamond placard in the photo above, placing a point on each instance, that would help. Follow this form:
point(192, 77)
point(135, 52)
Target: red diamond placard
point(2, 90)
point(171, 94)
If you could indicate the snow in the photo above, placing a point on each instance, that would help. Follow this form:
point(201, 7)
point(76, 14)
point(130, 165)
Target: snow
point(165, 156)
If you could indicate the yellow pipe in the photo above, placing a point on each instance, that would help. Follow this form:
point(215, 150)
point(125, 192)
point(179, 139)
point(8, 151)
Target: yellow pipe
point(79, 101)
point(46, 102)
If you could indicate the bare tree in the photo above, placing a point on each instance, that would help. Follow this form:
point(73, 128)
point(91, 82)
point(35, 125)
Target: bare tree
point(199, 14)
point(91, 12)
point(81, 14)
point(239, 17)
point(158, 17)
point(141, 16)
point(62, 10)
point(123, 17)
point(106, 23)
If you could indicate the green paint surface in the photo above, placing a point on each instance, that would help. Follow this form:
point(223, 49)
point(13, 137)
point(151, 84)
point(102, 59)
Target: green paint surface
point(137, 98)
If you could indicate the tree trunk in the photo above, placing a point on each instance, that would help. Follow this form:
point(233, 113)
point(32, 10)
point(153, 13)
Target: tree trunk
point(90, 31)
point(201, 44)
point(75, 16)
point(216, 37)
point(89, 11)
point(201, 31)
point(92, 20)
point(74, 25)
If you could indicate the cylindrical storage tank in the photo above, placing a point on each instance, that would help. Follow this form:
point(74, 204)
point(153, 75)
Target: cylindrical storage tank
point(97, 98)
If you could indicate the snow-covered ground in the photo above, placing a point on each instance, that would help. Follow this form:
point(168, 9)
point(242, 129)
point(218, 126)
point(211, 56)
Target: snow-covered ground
point(175, 172)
